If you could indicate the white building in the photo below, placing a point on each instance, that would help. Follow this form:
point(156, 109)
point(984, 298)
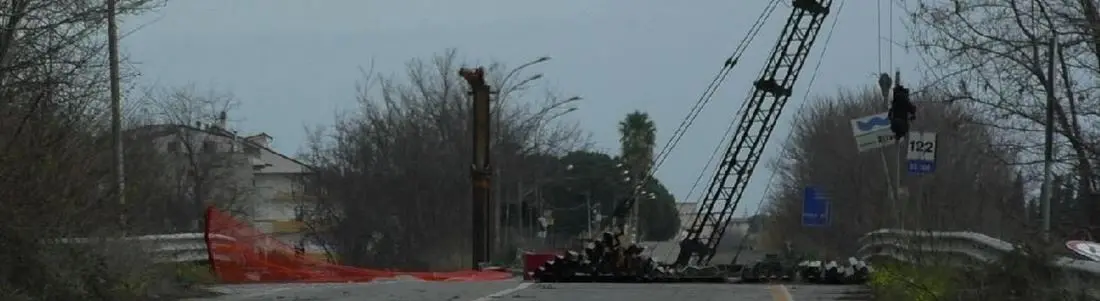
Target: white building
point(263, 183)
point(688, 212)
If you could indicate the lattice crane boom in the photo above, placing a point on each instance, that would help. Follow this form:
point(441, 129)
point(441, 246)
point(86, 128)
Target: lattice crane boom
point(758, 118)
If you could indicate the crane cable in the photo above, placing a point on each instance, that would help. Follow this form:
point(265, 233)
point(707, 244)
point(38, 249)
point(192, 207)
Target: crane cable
point(893, 181)
point(878, 33)
point(708, 167)
point(890, 50)
point(801, 108)
point(707, 95)
point(728, 135)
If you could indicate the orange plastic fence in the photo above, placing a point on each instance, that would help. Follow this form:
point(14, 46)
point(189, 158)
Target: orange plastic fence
point(241, 254)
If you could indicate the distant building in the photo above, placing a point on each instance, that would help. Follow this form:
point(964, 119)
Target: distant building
point(266, 185)
point(688, 213)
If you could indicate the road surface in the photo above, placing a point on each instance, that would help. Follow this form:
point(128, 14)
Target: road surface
point(409, 290)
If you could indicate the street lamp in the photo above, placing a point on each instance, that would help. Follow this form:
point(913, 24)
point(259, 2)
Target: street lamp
point(562, 113)
point(504, 82)
point(543, 115)
point(540, 119)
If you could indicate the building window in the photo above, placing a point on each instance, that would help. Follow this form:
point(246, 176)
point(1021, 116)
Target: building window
point(251, 149)
point(209, 147)
point(301, 213)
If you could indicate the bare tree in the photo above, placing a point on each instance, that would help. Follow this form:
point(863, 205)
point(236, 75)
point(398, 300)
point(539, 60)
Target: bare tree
point(395, 172)
point(1000, 53)
point(970, 190)
point(55, 159)
point(206, 162)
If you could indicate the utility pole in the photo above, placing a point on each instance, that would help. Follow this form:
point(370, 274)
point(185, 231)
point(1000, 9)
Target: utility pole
point(1048, 139)
point(116, 102)
point(635, 220)
point(497, 210)
point(896, 192)
point(481, 172)
point(521, 208)
point(886, 83)
point(588, 209)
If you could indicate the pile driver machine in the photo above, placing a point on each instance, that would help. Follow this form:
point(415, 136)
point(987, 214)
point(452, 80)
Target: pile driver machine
point(608, 257)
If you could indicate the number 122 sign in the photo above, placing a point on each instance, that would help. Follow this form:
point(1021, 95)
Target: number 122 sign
point(921, 156)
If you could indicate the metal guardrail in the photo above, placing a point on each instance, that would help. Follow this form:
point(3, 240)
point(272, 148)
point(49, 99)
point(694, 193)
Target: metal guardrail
point(968, 250)
point(182, 247)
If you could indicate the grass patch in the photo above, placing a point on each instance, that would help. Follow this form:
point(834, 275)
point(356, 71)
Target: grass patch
point(899, 282)
point(172, 281)
point(191, 273)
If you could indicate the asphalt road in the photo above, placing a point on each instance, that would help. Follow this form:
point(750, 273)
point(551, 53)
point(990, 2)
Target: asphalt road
point(411, 290)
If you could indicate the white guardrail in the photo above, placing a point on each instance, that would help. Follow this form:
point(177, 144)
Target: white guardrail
point(968, 250)
point(182, 247)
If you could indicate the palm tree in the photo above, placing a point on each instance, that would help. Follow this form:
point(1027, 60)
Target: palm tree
point(638, 138)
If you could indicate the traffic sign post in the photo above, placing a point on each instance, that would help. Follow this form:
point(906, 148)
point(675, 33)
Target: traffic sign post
point(872, 132)
point(921, 157)
point(815, 208)
point(545, 221)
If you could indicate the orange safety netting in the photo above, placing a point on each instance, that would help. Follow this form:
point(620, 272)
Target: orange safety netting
point(241, 254)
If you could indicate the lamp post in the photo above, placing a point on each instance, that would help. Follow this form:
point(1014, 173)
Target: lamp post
point(504, 82)
point(589, 212)
point(506, 88)
point(628, 223)
point(650, 196)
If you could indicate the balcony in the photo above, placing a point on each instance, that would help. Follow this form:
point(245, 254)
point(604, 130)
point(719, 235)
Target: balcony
point(292, 197)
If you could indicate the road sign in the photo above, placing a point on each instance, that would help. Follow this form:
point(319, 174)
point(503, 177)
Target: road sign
point(921, 156)
point(1090, 250)
point(815, 208)
point(871, 124)
point(872, 132)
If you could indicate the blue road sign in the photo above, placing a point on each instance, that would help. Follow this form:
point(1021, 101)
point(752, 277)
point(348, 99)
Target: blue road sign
point(815, 208)
point(920, 167)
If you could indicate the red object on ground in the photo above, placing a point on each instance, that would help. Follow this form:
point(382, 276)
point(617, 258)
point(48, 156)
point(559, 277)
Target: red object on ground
point(532, 261)
point(241, 254)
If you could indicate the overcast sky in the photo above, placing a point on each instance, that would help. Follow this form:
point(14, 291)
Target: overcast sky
point(294, 63)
